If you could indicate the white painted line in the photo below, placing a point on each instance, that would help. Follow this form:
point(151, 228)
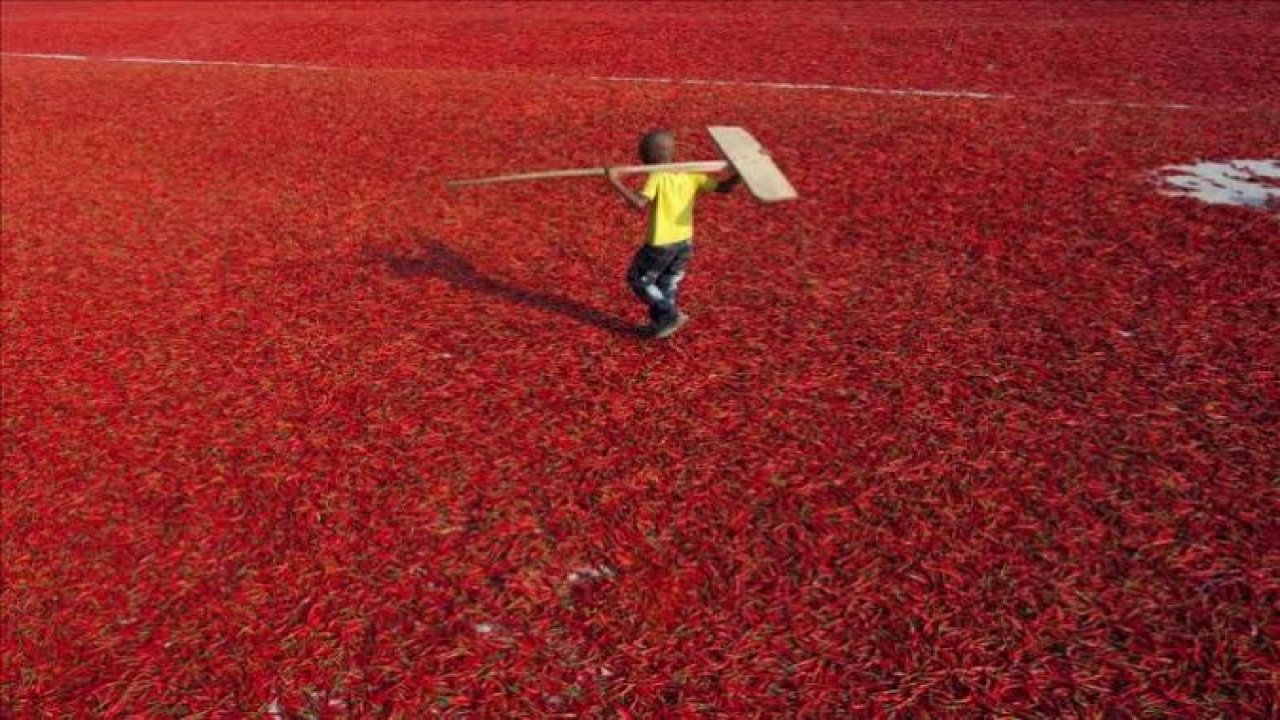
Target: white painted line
point(775, 85)
point(233, 63)
point(1140, 106)
point(965, 94)
point(48, 56)
point(168, 61)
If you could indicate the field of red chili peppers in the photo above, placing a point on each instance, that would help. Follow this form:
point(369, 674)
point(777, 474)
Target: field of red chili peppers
point(984, 425)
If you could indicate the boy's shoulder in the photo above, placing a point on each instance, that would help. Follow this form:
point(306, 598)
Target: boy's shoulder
point(680, 177)
point(662, 179)
point(675, 186)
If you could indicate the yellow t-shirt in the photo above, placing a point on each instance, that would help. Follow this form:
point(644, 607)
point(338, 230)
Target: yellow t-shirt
point(671, 214)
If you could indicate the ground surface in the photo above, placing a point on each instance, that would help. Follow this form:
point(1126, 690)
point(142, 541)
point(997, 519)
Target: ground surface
point(981, 426)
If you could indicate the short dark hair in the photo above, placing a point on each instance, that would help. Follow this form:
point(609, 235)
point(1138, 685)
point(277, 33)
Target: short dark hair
point(649, 144)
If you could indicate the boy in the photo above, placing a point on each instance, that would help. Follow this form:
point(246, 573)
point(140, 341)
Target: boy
point(659, 265)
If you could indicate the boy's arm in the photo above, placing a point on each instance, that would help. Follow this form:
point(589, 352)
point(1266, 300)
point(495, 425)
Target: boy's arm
point(633, 198)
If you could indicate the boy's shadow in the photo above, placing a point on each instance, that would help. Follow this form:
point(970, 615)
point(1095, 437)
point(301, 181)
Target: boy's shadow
point(434, 259)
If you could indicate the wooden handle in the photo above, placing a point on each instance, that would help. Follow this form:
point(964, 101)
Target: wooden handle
point(704, 166)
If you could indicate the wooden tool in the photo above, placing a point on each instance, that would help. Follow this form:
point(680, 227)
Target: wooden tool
point(752, 162)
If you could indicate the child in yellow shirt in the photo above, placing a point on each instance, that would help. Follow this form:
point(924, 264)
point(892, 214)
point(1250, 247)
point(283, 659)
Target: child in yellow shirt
point(660, 264)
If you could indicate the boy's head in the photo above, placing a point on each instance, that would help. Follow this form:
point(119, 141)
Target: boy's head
point(657, 146)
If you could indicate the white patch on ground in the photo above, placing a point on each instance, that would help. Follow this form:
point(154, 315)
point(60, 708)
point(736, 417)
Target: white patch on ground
point(485, 628)
point(273, 709)
point(1249, 183)
point(589, 573)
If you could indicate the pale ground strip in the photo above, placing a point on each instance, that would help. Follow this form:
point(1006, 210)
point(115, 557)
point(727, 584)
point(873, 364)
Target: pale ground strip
point(1213, 183)
point(766, 84)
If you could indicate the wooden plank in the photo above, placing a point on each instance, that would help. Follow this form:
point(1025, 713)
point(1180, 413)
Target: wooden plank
point(704, 166)
point(752, 161)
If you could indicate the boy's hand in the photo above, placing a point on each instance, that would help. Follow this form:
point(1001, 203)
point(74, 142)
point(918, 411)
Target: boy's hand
point(729, 182)
point(633, 198)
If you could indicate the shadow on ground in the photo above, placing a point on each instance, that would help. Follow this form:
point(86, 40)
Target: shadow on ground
point(436, 260)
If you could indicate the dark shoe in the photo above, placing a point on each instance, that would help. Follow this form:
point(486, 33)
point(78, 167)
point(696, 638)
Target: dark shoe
point(670, 327)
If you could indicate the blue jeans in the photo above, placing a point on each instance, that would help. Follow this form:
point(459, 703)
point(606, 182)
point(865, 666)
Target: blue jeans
point(655, 275)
